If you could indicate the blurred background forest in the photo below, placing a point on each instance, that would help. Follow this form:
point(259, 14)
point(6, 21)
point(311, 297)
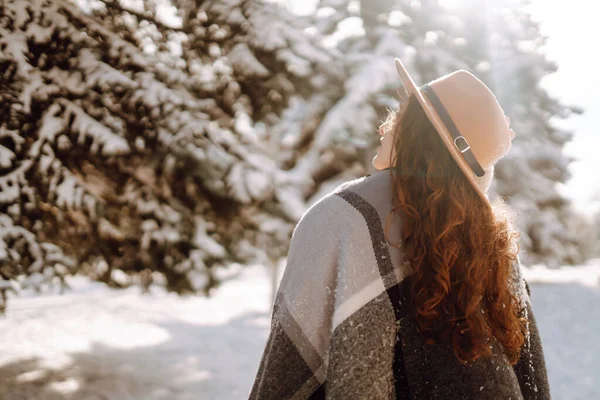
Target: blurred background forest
point(164, 141)
point(170, 143)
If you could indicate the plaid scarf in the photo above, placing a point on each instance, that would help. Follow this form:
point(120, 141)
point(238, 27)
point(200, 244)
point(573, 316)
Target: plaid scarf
point(343, 326)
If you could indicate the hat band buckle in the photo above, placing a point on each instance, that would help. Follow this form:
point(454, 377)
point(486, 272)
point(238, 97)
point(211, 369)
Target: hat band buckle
point(465, 142)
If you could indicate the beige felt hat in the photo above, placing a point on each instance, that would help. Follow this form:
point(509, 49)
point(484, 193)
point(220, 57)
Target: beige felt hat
point(468, 118)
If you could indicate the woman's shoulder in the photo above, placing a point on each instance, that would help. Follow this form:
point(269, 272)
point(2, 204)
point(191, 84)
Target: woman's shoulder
point(375, 184)
point(337, 206)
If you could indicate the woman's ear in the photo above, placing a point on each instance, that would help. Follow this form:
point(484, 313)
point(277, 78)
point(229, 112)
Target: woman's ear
point(384, 156)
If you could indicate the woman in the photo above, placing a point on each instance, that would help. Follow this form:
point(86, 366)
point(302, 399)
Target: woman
point(406, 284)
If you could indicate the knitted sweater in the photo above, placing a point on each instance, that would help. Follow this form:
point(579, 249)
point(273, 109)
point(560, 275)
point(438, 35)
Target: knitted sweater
point(343, 326)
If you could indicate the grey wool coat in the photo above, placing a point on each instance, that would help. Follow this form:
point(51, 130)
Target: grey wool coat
point(343, 327)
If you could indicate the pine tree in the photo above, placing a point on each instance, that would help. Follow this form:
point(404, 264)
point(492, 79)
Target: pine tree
point(142, 148)
point(162, 143)
point(501, 45)
point(370, 34)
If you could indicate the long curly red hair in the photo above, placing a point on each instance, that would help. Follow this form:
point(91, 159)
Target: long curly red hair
point(461, 250)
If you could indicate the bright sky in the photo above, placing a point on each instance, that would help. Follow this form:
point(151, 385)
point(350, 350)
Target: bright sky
point(572, 43)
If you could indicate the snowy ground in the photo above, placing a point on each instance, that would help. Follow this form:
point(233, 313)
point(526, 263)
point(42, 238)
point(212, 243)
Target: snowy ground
point(97, 343)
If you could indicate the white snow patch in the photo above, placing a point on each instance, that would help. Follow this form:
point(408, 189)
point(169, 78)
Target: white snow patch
point(206, 243)
point(6, 157)
point(587, 275)
point(349, 27)
point(95, 342)
point(397, 18)
point(119, 344)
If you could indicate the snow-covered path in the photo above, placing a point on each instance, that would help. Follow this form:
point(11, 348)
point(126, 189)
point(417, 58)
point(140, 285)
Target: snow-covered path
point(568, 317)
point(97, 343)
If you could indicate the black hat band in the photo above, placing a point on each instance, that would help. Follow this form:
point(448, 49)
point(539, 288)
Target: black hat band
point(459, 141)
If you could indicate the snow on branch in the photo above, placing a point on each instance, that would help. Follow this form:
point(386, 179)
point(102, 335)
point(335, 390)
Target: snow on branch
point(103, 139)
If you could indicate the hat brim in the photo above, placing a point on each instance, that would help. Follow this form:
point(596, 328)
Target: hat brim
point(440, 127)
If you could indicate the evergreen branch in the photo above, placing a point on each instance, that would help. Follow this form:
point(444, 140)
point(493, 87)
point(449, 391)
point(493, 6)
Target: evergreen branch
point(140, 16)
